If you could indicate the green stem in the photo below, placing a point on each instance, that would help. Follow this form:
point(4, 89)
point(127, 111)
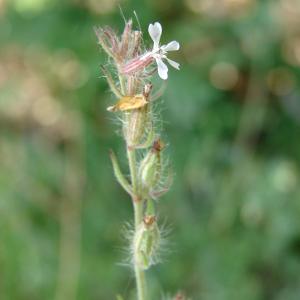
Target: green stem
point(140, 282)
point(138, 219)
point(138, 208)
point(133, 169)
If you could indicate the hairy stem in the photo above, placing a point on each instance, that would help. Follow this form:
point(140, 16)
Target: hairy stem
point(138, 208)
point(140, 282)
point(138, 218)
point(122, 84)
point(133, 170)
point(139, 273)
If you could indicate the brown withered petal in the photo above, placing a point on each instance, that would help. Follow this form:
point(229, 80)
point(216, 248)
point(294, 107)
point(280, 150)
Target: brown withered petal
point(158, 145)
point(136, 43)
point(149, 220)
point(108, 41)
point(112, 38)
point(147, 90)
point(129, 103)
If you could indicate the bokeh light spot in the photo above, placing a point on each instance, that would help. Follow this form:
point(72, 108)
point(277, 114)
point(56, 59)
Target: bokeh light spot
point(46, 111)
point(280, 81)
point(102, 7)
point(29, 6)
point(285, 177)
point(291, 51)
point(224, 75)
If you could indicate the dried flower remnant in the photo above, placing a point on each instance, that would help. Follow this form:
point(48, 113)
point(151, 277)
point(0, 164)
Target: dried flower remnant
point(129, 103)
point(120, 49)
point(130, 81)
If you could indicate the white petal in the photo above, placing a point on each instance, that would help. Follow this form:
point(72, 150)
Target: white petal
point(162, 69)
point(155, 33)
point(173, 63)
point(172, 46)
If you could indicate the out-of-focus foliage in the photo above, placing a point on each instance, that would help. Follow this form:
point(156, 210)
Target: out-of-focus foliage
point(232, 117)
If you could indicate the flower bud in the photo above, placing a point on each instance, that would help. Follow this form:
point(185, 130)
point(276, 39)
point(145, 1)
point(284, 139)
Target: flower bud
point(146, 242)
point(150, 167)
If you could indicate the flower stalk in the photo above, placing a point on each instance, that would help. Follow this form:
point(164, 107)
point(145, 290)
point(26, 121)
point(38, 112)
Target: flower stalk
point(134, 70)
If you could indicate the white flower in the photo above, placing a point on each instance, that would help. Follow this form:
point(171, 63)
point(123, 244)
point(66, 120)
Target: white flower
point(159, 52)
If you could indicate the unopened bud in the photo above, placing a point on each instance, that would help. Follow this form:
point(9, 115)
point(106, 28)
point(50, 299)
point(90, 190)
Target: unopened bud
point(150, 167)
point(146, 242)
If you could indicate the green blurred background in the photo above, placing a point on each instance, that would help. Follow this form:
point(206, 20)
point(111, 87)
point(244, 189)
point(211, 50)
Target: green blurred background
point(231, 119)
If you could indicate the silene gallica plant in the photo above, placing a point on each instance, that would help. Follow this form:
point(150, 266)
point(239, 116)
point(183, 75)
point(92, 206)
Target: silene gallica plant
point(129, 76)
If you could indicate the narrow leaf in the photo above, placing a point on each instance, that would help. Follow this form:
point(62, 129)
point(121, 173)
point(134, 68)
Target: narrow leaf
point(119, 175)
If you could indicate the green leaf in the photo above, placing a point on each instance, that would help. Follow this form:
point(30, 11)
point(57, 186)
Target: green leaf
point(119, 175)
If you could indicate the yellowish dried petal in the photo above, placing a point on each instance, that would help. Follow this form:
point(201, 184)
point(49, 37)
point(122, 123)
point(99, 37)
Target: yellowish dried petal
point(129, 103)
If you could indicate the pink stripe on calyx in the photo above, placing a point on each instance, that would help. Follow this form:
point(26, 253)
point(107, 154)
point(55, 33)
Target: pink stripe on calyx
point(137, 64)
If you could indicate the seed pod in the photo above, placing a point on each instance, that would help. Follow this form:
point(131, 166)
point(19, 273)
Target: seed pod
point(146, 242)
point(136, 116)
point(150, 167)
point(134, 125)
